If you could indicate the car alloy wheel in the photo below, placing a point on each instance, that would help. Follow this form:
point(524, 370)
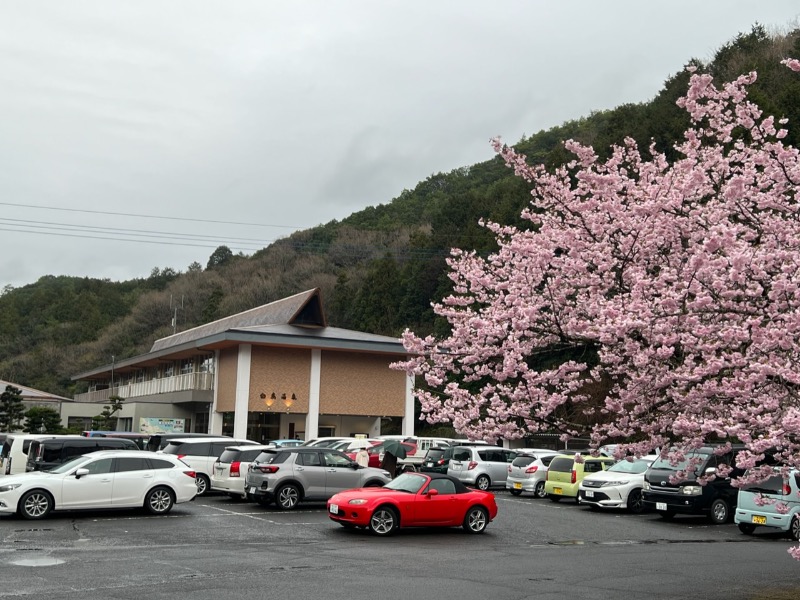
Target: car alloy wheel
point(635, 502)
point(794, 528)
point(287, 497)
point(476, 520)
point(35, 505)
point(202, 484)
point(719, 511)
point(159, 501)
point(539, 491)
point(384, 521)
point(482, 483)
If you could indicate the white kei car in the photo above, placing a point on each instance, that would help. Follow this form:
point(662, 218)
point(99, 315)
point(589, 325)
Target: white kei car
point(619, 486)
point(104, 479)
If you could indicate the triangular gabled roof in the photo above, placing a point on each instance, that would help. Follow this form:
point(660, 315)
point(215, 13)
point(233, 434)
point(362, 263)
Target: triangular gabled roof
point(29, 393)
point(303, 309)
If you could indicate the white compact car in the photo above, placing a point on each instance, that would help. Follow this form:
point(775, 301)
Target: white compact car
point(104, 479)
point(619, 486)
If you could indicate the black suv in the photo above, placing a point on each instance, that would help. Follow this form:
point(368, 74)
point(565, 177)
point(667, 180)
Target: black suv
point(716, 499)
point(51, 452)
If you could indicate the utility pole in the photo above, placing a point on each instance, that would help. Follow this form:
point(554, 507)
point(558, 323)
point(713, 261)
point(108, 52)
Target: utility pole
point(175, 313)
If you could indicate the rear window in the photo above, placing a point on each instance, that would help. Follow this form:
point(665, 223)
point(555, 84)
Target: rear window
point(230, 456)
point(546, 460)
point(562, 464)
point(6, 450)
point(160, 463)
point(267, 457)
point(462, 454)
point(434, 454)
point(523, 461)
point(201, 449)
point(773, 485)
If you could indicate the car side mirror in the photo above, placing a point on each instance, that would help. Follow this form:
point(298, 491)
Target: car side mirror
point(433, 493)
point(355, 465)
point(81, 472)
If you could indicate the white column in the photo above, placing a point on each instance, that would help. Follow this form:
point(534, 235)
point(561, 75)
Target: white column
point(408, 416)
point(215, 419)
point(242, 402)
point(312, 418)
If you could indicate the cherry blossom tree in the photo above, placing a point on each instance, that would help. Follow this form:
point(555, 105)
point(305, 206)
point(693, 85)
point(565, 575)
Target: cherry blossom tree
point(649, 302)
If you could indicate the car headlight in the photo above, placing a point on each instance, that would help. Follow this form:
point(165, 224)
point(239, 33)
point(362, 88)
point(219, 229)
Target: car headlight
point(692, 490)
point(9, 487)
point(646, 486)
point(612, 483)
point(357, 501)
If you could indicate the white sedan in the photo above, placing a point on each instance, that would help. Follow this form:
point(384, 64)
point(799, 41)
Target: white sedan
point(105, 479)
point(620, 486)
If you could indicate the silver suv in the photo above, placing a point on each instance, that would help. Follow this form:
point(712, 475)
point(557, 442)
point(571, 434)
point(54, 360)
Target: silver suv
point(288, 476)
point(481, 466)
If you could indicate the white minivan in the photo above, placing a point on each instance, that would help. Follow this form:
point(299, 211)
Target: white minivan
point(14, 453)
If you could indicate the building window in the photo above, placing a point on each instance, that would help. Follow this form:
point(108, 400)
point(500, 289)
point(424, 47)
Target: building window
point(79, 423)
point(201, 422)
point(169, 370)
point(187, 366)
point(207, 365)
point(327, 431)
point(125, 424)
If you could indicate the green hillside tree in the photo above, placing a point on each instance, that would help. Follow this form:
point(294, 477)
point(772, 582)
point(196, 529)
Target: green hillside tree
point(12, 410)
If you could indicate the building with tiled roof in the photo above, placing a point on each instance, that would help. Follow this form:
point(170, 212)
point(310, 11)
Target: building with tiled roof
point(275, 371)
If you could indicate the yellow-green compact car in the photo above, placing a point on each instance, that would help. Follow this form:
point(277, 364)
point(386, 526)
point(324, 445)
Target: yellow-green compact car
point(566, 471)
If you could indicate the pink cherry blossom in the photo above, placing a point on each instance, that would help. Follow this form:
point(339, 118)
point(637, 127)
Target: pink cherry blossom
point(650, 303)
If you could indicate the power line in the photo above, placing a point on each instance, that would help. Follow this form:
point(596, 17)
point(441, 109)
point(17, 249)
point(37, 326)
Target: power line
point(118, 214)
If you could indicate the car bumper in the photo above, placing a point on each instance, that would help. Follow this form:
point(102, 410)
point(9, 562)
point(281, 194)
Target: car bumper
point(522, 485)
point(675, 503)
point(228, 486)
point(554, 488)
point(466, 477)
point(604, 499)
point(750, 517)
point(356, 516)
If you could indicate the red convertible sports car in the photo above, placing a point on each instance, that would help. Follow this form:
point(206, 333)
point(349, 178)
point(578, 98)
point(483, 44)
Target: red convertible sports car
point(414, 500)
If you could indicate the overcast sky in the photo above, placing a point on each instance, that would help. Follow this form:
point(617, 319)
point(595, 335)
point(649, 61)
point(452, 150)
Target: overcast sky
point(145, 134)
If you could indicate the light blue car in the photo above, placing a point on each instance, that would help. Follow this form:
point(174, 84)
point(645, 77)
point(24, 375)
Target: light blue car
point(778, 492)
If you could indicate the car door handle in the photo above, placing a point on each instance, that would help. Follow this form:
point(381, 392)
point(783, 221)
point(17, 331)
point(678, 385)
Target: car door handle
point(331, 470)
point(300, 468)
point(148, 476)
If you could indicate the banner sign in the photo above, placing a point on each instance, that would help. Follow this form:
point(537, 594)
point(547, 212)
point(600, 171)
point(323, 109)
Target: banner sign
point(155, 425)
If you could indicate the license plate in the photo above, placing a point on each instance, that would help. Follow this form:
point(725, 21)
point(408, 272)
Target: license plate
point(252, 490)
point(759, 520)
point(428, 464)
point(517, 485)
point(558, 491)
point(661, 506)
point(334, 509)
point(589, 494)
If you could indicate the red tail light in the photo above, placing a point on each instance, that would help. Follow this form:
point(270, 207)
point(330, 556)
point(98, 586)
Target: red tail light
point(235, 469)
point(191, 474)
point(440, 462)
point(472, 465)
point(268, 468)
point(786, 489)
point(180, 456)
point(533, 469)
point(509, 469)
point(574, 476)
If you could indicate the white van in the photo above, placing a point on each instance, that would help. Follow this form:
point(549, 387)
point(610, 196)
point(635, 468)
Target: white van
point(14, 455)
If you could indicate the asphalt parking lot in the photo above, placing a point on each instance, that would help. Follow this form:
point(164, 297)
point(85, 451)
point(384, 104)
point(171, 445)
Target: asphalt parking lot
point(215, 547)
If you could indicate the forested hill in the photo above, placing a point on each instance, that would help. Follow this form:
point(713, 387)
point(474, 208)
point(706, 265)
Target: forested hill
point(379, 269)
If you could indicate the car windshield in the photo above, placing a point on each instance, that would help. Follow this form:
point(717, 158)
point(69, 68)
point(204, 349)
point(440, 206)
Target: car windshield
point(65, 467)
point(667, 465)
point(629, 466)
point(407, 482)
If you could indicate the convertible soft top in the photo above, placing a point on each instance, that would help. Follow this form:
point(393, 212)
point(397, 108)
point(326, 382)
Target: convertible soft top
point(460, 487)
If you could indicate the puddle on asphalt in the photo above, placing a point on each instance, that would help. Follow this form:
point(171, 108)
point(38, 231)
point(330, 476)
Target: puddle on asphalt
point(44, 561)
